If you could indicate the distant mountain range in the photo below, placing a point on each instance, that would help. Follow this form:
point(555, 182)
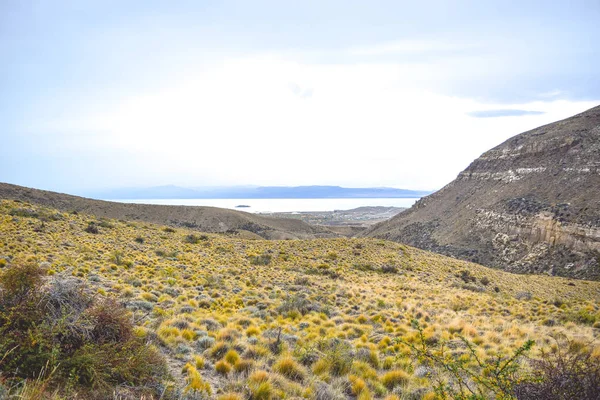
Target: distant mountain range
point(254, 192)
point(204, 219)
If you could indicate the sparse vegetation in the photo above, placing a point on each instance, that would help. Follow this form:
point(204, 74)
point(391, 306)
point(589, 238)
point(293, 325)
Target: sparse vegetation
point(256, 319)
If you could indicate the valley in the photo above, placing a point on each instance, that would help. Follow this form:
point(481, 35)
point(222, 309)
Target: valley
point(237, 318)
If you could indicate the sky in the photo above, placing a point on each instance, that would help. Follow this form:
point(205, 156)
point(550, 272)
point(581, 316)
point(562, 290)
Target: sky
point(109, 94)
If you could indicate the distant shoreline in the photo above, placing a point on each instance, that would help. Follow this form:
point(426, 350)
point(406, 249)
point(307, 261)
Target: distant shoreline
point(267, 205)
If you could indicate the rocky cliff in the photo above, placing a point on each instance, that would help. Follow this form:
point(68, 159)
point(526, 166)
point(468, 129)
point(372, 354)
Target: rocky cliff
point(531, 205)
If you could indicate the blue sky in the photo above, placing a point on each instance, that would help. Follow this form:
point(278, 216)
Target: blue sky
point(100, 94)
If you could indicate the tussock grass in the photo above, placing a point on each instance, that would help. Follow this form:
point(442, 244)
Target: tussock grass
point(261, 319)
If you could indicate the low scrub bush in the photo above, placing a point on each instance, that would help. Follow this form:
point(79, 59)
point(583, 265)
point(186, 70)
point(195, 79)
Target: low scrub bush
point(337, 357)
point(389, 269)
point(567, 371)
point(195, 239)
point(468, 376)
point(54, 325)
point(263, 259)
point(92, 228)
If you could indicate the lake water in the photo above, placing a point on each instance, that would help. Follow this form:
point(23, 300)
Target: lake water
point(280, 205)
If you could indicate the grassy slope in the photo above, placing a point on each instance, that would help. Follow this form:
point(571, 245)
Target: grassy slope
point(206, 219)
point(314, 290)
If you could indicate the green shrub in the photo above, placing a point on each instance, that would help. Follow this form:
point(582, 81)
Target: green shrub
point(467, 376)
point(582, 316)
point(263, 259)
point(191, 238)
point(195, 239)
point(338, 356)
point(117, 257)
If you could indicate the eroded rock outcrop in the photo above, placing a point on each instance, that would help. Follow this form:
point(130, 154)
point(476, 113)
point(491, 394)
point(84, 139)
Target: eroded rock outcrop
point(532, 204)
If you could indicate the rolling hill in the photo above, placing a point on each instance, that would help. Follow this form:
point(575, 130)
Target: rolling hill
point(205, 219)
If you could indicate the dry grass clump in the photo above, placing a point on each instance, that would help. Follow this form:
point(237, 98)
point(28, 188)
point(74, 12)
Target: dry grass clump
point(395, 378)
point(230, 396)
point(260, 387)
point(290, 368)
point(222, 367)
point(195, 383)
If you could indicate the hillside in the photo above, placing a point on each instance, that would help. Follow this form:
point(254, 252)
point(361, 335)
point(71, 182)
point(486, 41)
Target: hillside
point(205, 219)
point(319, 318)
point(531, 204)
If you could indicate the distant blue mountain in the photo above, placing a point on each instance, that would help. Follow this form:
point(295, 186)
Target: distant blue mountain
point(256, 192)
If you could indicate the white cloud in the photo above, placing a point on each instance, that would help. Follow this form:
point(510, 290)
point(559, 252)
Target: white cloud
point(268, 120)
point(411, 46)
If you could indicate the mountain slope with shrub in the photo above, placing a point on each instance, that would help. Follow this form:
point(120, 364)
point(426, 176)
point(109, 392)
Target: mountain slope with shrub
point(531, 204)
point(321, 318)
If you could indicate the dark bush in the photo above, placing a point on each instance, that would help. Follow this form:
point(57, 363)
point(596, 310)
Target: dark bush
point(89, 345)
point(24, 212)
point(105, 224)
point(297, 303)
point(569, 371)
point(92, 228)
point(195, 239)
point(389, 269)
point(466, 276)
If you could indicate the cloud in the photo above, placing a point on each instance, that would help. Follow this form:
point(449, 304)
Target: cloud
point(503, 113)
point(299, 91)
point(412, 46)
point(551, 93)
point(251, 120)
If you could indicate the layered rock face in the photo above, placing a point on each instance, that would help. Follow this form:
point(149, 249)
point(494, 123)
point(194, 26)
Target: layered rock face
point(530, 205)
